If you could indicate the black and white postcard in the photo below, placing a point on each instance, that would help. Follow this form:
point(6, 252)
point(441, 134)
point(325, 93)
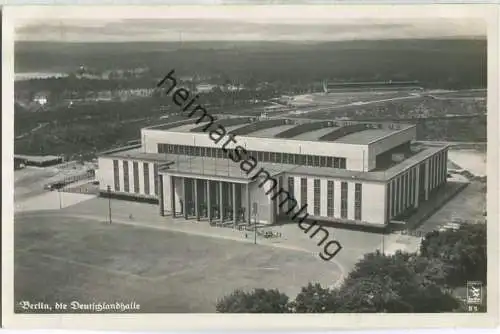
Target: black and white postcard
point(197, 167)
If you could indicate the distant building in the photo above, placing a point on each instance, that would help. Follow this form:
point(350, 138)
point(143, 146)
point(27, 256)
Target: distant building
point(36, 160)
point(105, 95)
point(125, 94)
point(371, 85)
point(41, 98)
point(18, 163)
point(205, 88)
point(276, 108)
point(232, 88)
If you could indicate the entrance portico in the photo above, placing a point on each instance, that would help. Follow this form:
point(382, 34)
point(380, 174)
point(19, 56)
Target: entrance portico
point(219, 191)
point(204, 198)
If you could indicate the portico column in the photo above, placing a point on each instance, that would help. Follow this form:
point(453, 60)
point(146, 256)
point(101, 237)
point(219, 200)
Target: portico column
point(172, 195)
point(248, 204)
point(417, 186)
point(426, 180)
point(196, 203)
point(271, 209)
point(221, 203)
point(209, 203)
point(184, 202)
point(234, 205)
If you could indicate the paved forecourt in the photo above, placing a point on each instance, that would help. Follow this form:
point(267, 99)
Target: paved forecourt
point(355, 243)
point(60, 258)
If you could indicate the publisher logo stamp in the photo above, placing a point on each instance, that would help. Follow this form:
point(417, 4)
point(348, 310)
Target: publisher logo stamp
point(474, 293)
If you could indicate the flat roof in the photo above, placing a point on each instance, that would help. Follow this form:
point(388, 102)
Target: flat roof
point(264, 128)
point(37, 158)
point(314, 135)
point(232, 127)
point(188, 127)
point(136, 154)
point(271, 132)
point(364, 137)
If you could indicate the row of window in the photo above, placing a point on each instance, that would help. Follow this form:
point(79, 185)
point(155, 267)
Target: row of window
point(437, 169)
point(264, 156)
point(135, 170)
point(330, 197)
point(401, 192)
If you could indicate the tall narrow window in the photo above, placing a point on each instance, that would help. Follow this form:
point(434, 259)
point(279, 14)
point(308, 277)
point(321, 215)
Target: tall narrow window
point(330, 197)
point(291, 191)
point(126, 184)
point(343, 200)
point(357, 201)
point(155, 174)
point(303, 191)
point(146, 178)
point(317, 197)
point(135, 166)
point(116, 174)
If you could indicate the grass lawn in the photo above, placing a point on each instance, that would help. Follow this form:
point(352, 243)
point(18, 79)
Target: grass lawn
point(62, 260)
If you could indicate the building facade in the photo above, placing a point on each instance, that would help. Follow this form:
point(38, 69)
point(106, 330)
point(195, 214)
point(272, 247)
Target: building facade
point(338, 171)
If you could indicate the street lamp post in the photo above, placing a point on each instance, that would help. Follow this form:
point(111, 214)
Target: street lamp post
point(60, 199)
point(255, 230)
point(109, 202)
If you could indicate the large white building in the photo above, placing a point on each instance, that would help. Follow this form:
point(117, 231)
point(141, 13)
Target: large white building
point(339, 171)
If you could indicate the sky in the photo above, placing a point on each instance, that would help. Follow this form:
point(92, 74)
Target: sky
point(242, 28)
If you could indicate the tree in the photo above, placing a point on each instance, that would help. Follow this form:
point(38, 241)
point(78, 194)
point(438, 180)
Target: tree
point(315, 299)
point(403, 282)
point(463, 251)
point(256, 301)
